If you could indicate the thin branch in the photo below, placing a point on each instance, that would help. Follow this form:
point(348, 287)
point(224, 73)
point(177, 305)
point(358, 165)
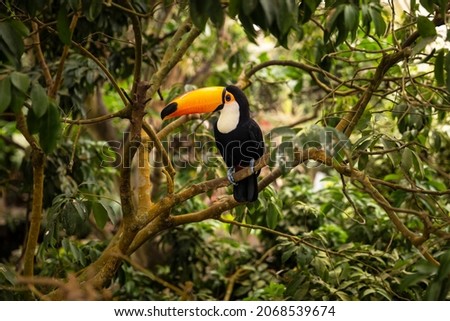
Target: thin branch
point(406, 189)
point(137, 45)
point(243, 271)
point(40, 55)
point(175, 124)
point(58, 78)
point(154, 137)
point(180, 292)
point(352, 203)
point(123, 113)
point(244, 79)
point(105, 70)
point(349, 121)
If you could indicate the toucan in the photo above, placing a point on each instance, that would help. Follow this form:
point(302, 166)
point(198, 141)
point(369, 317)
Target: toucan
point(238, 137)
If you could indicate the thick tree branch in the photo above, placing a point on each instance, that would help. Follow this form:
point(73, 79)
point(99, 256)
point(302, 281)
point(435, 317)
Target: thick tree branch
point(38, 163)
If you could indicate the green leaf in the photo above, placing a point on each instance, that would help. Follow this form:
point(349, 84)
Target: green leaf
point(77, 254)
point(351, 16)
point(216, 13)
point(95, 8)
point(50, 129)
point(426, 27)
point(418, 166)
point(12, 38)
point(112, 214)
point(17, 99)
point(285, 19)
point(5, 93)
point(199, 11)
point(363, 160)
point(234, 8)
point(248, 6)
point(433, 291)
point(393, 156)
point(428, 4)
point(63, 27)
point(378, 21)
point(20, 27)
point(444, 268)
point(8, 273)
point(39, 100)
point(21, 81)
point(33, 123)
point(439, 68)
point(270, 9)
point(100, 214)
point(406, 161)
point(331, 21)
point(273, 215)
point(447, 69)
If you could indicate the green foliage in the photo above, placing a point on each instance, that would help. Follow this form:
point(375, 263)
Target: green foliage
point(302, 239)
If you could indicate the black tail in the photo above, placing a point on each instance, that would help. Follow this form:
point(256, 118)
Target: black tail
point(246, 190)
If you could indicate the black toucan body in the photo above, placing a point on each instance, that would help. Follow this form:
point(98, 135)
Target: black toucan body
point(238, 137)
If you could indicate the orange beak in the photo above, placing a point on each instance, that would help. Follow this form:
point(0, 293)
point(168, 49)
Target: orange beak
point(203, 100)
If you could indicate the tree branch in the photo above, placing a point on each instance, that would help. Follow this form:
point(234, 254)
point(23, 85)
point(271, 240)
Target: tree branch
point(137, 45)
point(58, 78)
point(175, 124)
point(40, 55)
point(244, 79)
point(123, 113)
point(91, 56)
point(173, 54)
point(159, 146)
point(349, 121)
point(37, 158)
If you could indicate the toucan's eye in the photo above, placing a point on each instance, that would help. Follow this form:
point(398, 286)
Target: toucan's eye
point(228, 97)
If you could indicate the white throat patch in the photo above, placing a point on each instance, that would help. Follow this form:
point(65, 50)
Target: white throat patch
point(229, 118)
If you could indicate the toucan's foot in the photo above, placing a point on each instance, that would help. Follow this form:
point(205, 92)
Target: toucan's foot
point(230, 173)
point(252, 165)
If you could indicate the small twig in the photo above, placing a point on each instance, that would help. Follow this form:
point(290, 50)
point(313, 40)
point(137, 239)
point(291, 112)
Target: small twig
point(243, 271)
point(411, 190)
point(74, 147)
point(152, 276)
point(352, 203)
point(123, 113)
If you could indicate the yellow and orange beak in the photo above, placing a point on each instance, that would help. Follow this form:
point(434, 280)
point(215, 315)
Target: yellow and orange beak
point(203, 100)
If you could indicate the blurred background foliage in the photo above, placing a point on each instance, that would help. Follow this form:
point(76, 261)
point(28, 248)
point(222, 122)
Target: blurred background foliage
point(312, 234)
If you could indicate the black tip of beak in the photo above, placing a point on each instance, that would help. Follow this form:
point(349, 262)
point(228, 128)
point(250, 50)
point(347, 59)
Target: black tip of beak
point(169, 109)
point(220, 107)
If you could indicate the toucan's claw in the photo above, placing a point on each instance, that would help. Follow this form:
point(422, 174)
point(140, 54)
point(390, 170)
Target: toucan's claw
point(252, 165)
point(230, 173)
